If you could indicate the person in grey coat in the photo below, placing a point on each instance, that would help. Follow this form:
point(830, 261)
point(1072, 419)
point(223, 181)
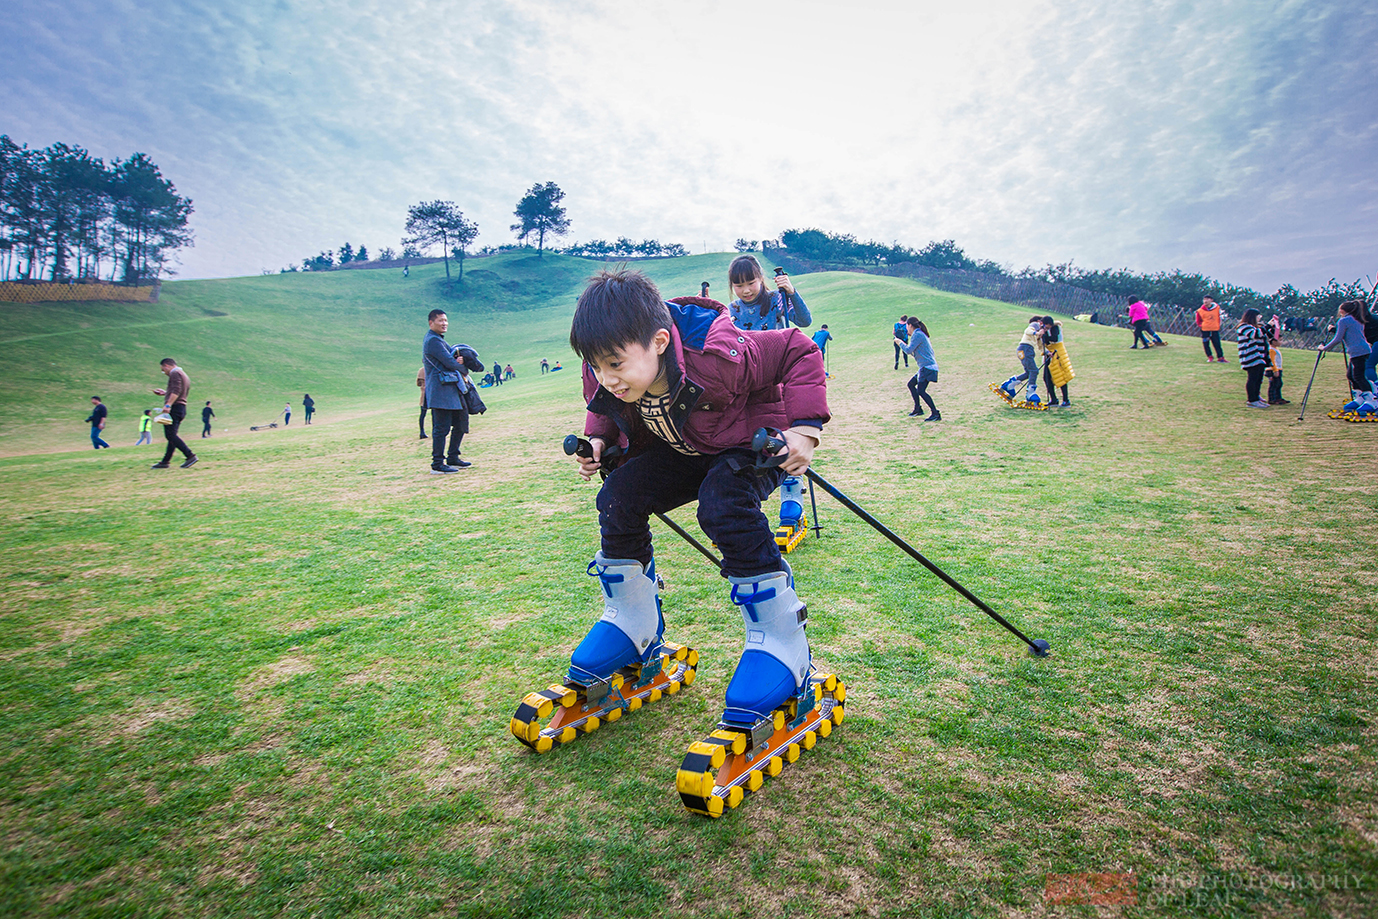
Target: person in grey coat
point(445, 390)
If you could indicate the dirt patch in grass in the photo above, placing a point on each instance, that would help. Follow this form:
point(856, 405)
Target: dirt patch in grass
point(131, 723)
point(277, 672)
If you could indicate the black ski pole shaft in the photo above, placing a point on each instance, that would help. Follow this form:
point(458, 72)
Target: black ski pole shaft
point(1319, 355)
point(817, 527)
point(765, 444)
point(576, 445)
point(784, 300)
point(1038, 649)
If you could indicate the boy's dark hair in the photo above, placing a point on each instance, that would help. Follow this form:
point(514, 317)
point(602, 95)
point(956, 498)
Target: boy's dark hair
point(168, 362)
point(97, 398)
point(743, 269)
point(616, 309)
point(147, 411)
point(1046, 320)
point(430, 317)
point(1132, 298)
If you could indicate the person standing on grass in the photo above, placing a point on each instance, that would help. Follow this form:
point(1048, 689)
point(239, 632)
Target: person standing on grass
point(287, 414)
point(175, 407)
point(206, 416)
point(821, 339)
point(445, 387)
point(925, 364)
point(97, 421)
point(1057, 366)
point(1349, 331)
point(901, 335)
point(1370, 321)
point(145, 428)
point(1208, 321)
point(310, 405)
point(1253, 355)
point(1273, 332)
point(545, 365)
point(1138, 318)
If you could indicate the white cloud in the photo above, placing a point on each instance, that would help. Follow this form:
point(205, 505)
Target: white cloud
point(1230, 138)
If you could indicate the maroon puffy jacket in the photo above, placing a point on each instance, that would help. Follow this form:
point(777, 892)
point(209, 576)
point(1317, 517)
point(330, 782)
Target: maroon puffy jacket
point(727, 383)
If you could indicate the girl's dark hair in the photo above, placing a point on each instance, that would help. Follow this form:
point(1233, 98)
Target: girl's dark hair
point(1250, 317)
point(918, 324)
point(616, 309)
point(1046, 320)
point(743, 269)
point(1353, 308)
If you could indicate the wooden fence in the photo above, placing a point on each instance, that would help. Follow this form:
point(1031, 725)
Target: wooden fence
point(57, 291)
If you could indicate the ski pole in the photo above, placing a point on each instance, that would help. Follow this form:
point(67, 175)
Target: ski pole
point(784, 300)
point(771, 445)
point(576, 445)
point(1319, 355)
point(817, 527)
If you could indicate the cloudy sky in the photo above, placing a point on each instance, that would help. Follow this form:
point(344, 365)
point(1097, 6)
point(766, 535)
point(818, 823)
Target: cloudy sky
point(1238, 138)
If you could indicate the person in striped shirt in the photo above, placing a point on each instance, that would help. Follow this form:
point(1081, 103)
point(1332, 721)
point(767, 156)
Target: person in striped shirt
point(1253, 355)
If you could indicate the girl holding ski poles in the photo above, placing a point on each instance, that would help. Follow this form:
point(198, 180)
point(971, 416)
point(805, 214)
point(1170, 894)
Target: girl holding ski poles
point(755, 307)
point(1349, 331)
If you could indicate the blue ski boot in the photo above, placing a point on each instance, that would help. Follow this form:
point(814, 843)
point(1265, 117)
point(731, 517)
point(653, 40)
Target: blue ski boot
point(1031, 396)
point(632, 626)
point(775, 662)
point(791, 502)
point(1010, 387)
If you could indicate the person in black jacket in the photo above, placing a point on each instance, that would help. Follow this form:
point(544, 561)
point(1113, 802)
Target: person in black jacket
point(446, 387)
point(97, 421)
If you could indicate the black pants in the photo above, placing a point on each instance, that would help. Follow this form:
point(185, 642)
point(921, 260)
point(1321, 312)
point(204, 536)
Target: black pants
point(729, 490)
point(174, 442)
point(1275, 387)
point(1052, 390)
point(919, 390)
point(1254, 382)
point(1209, 338)
point(205, 428)
point(1141, 332)
point(422, 420)
point(1357, 381)
point(898, 352)
point(451, 423)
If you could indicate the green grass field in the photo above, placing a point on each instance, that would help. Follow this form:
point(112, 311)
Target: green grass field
point(279, 683)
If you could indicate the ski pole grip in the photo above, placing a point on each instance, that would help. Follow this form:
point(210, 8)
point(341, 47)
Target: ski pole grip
point(577, 446)
point(770, 447)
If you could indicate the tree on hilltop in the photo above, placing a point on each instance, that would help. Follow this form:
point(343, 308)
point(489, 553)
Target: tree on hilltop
point(540, 212)
point(432, 222)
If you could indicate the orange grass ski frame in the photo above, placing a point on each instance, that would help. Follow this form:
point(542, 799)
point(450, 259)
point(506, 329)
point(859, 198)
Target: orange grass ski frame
point(719, 771)
point(563, 712)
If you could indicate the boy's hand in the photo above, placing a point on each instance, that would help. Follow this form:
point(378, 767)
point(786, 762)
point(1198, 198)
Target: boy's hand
point(588, 465)
point(783, 282)
point(801, 448)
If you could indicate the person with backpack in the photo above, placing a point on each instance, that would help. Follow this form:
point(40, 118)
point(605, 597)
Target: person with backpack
point(901, 336)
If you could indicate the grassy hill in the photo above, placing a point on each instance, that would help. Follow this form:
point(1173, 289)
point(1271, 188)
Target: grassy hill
point(350, 338)
point(280, 682)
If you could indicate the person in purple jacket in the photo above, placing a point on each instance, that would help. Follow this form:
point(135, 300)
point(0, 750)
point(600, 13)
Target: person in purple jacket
point(682, 391)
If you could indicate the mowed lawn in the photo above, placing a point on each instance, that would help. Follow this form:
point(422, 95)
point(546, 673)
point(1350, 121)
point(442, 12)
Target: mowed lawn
point(279, 683)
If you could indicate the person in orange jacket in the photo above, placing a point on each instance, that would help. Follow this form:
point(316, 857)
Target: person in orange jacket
point(1208, 321)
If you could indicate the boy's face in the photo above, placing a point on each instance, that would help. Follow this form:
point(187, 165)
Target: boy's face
point(629, 371)
point(747, 291)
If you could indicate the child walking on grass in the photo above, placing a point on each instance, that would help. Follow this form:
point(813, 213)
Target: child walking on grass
point(921, 348)
point(1273, 332)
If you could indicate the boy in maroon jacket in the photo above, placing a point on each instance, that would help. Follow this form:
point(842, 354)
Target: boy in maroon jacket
point(682, 391)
